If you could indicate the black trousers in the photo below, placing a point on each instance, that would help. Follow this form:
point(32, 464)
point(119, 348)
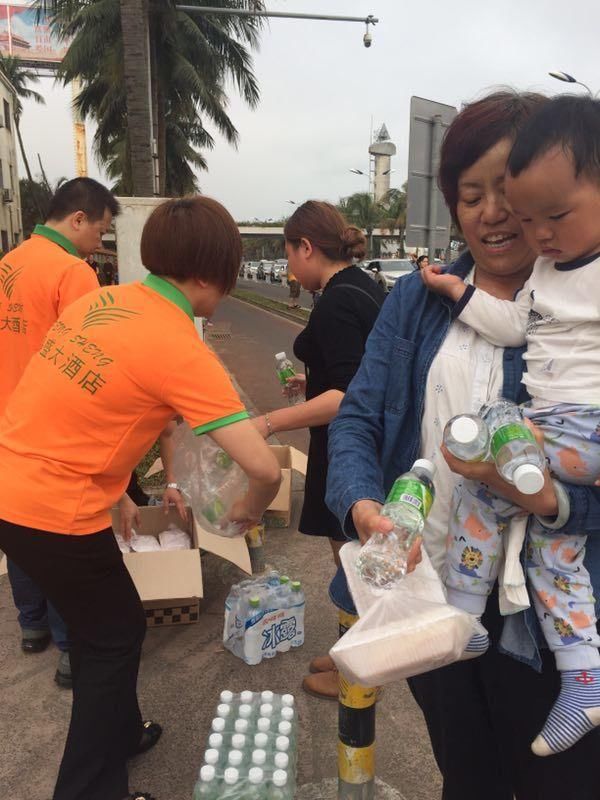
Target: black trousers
point(85, 579)
point(482, 716)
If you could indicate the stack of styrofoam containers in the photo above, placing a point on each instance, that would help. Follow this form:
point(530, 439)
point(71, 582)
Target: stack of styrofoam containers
point(251, 752)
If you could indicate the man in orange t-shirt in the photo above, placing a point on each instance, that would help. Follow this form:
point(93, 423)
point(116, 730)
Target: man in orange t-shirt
point(113, 370)
point(38, 280)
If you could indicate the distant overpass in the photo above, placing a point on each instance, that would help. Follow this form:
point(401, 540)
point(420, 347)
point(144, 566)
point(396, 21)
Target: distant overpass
point(277, 230)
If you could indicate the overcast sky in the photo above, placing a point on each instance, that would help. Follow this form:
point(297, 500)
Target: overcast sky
point(320, 88)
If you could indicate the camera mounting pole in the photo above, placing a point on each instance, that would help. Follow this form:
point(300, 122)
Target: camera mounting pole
point(234, 12)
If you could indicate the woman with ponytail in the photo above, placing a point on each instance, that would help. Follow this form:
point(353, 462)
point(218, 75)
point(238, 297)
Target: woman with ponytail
point(321, 248)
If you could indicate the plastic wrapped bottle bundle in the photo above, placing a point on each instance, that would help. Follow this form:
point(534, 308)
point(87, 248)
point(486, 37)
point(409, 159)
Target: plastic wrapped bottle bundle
point(264, 617)
point(254, 765)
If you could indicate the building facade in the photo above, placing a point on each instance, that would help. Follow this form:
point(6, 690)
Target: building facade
point(11, 227)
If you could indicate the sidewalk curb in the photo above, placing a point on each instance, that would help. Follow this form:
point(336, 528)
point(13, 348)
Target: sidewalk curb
point(301, 320)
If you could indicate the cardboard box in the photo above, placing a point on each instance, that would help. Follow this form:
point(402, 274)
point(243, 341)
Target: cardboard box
point(169, 582)
point(279, 513)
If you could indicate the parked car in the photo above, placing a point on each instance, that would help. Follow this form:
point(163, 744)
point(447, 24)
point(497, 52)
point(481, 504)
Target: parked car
point(386, 271)
point(278, 272)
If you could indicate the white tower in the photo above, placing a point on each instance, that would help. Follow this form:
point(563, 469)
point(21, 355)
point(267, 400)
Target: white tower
point(382, 151)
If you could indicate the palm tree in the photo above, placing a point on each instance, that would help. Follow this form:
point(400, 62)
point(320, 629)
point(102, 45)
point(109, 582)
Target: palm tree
point(361, 209)
point(193, 56)
point(393, 209)
point(20, 77)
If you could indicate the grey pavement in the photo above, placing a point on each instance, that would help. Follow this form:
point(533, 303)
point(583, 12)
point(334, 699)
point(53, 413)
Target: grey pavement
point(184, 668)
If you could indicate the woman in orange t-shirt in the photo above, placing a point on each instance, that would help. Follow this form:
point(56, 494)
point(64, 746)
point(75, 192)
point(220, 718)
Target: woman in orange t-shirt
point(114, 369)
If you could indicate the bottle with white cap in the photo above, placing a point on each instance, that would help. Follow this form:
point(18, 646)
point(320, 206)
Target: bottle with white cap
point(234, 787)
point(263, 724)
point(279, 788)
point(287, 700)
point(259, 758)
point(218, 725)
point(243, 744)
point(253, 639)
point(226, 697)
point(207, 787)
point(467, 437)
point(246, 697)
point(285, 370)
point(256, 789)
point(213, 757)
point(287, 713)
point(235, 758)
point(513, 447)
point(241, 726)
point(261, 741)
point(382, 561)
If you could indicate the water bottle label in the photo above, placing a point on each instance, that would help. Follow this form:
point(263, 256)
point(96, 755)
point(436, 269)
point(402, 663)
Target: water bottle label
point(412, 493)
point(511, 432)
point(284, 374)
point(278, 632)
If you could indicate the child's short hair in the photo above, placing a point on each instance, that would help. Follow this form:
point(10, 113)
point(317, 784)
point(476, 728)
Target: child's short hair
point(193, 237)
point(569, 121)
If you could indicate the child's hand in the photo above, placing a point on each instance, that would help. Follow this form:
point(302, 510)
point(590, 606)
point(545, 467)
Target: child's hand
point(448, 285)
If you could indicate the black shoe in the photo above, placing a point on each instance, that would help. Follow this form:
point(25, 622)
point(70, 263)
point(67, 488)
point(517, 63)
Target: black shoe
point(150, 736)
point(36, 643)
point(63, 676)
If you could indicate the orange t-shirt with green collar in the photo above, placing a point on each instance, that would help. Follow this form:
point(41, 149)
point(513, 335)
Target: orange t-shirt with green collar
point(113, 370)
point(38, 280)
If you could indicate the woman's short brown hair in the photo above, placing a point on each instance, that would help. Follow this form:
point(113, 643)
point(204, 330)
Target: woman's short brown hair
point(478, 127)
point(325, 228)
point(193, 237)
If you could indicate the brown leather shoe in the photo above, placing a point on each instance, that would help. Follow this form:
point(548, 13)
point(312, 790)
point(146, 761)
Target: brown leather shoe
point(322, 684)
point(322, 664)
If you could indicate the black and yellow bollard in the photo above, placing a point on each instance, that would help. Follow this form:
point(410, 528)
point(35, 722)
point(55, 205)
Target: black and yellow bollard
point(255, 539)
point(356, 734)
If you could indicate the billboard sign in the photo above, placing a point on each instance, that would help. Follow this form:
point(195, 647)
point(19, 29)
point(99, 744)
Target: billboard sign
point(24, 36)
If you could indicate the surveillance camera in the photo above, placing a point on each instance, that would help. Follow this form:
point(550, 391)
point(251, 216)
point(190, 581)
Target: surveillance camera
point(367, 39)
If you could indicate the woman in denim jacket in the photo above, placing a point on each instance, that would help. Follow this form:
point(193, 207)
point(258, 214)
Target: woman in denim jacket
point(421, 367)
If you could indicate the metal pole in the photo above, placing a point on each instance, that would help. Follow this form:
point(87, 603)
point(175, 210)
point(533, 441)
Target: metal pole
point(234, 12)
point(356, 733)
point(436, 139)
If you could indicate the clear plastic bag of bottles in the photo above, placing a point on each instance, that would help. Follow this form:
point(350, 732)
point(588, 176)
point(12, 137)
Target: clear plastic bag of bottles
point(210, 480)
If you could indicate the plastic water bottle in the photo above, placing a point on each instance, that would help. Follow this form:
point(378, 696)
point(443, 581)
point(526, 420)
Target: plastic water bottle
point(279, 789)
point(223, 460)
point(285, 369)
point(281, 761)
point(287, 700)
point(233, 789)
point(256, 788)
point(287, 713)
point(207, 787)
point(467, 437)
point(513, 447)
point(297, 604)
point(246, 697)
point(382, 561)
point(263, 725)
point(252, 635)
point(261, 741)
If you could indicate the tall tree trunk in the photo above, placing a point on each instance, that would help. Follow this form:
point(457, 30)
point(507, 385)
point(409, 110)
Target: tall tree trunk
point(32, 183)
point(162, 140)
point(136, 62)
